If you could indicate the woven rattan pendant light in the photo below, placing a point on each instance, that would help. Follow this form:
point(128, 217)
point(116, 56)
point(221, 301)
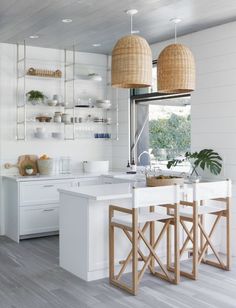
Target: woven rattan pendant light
point(131, 61)
point(176, 68)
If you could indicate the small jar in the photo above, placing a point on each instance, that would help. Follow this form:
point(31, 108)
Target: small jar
point(57, 117)
point(66, 118)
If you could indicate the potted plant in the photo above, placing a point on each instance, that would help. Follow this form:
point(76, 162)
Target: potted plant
point(205, 159)
point(29, 169)
point(35, 97)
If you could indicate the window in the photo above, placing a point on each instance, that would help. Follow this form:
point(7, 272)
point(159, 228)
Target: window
point(169, 133)
point(161, 130)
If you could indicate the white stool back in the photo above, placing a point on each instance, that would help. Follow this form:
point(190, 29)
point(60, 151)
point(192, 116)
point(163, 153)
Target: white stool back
point(212, 190)
point(147, 196)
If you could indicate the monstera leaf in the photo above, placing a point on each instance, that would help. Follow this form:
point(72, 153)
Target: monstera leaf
point(208, 159)
point(205, 159)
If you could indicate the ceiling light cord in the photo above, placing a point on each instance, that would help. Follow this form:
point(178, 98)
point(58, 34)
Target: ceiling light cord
point(131, 24)
point(175, 33)
point(175, 21)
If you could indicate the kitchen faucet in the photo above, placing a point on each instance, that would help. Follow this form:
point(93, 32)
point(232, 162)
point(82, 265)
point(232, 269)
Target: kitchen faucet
point(145, 152)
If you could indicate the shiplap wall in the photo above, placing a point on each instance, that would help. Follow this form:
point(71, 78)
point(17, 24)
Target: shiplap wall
point(121, 146)
point(213, 103)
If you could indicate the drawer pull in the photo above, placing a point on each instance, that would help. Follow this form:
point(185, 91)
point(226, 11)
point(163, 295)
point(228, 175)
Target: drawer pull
point(48, 210)
point(46, 186)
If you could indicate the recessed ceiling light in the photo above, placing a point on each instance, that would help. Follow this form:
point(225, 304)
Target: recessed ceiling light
point(175, 20)
point(131, 12)
point(135, 31)
point(34, 36)
point(66, 20)
point(96, 45)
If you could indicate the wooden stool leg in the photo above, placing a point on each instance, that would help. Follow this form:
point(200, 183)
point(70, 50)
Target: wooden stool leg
point(202, 239)
point(135, 251)
point(168, 246)
point(152, 239)
point(195, 240)
point(228, 233)
point(111, 247)
point(177, 251)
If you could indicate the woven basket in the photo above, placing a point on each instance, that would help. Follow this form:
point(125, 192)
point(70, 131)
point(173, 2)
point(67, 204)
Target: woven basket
point(176, 70)
point(153, 181)
point(44, 73)
point(131, 63)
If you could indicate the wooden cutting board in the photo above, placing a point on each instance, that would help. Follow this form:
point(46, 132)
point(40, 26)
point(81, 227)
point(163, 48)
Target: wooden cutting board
point(25, 160)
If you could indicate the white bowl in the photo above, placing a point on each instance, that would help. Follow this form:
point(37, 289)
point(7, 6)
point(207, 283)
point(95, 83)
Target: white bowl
point(41, 135)
point(95, 77)
point(96, 166)
point(40, 129)
point(51, 102)
point(106, 103)
point(57, 135)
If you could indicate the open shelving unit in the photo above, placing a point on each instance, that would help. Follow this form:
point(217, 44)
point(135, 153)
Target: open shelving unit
point(73, 74)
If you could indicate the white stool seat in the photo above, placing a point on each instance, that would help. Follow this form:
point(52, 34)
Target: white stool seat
point(205, 209)
point(126, 219)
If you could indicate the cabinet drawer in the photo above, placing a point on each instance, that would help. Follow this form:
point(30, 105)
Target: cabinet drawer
point(38, 219)
point(42, 192)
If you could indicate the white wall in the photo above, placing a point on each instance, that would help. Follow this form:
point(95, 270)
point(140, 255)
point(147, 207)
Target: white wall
point(213, 104)
point(79, 150)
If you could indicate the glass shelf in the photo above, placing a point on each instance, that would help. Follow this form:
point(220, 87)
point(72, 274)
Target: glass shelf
point(33, 77)
point(72, 71)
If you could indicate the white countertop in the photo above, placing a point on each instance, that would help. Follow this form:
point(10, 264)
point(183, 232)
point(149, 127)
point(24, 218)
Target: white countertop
point(39, 177)
point(102, 192)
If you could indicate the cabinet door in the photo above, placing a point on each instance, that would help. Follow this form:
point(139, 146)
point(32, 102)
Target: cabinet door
point(42, 192)
point(38, 219)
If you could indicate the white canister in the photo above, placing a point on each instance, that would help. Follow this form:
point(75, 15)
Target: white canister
point(45, 166)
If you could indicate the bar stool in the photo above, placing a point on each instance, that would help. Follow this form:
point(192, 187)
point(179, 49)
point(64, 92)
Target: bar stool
point(134, 224)
point(195, 212)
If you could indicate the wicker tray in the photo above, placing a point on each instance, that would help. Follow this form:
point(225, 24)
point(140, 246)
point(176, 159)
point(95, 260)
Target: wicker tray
point(153, 181)
point(44, 73)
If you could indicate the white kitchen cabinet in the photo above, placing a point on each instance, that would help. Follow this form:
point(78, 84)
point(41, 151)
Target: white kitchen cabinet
point(32, 206)
point(38, 219)
point(40, 192)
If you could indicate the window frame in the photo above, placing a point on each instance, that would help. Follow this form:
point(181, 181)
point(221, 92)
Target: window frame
point(140, 98)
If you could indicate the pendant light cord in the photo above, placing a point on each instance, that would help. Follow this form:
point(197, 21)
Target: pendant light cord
point(131, 24)
point(175, 33)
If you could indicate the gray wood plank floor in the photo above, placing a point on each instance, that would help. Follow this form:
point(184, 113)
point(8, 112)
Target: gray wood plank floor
point(31, 278)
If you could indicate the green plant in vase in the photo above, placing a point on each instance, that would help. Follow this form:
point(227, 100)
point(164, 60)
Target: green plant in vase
point(35, 97)
point(29, 169)
point(205, 159)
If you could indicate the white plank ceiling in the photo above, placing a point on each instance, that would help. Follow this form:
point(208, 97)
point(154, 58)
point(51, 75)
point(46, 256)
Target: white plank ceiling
point(104, 21)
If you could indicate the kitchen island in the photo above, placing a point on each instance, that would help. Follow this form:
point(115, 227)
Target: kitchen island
point(83, 225)
point(84, 228)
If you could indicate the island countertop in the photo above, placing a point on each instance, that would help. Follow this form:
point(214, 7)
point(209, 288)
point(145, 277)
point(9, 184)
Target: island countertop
point(102, 192)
